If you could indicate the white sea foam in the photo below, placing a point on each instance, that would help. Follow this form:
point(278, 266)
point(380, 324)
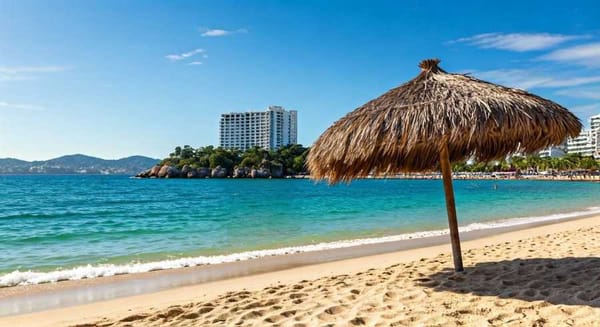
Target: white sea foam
point(92, 271)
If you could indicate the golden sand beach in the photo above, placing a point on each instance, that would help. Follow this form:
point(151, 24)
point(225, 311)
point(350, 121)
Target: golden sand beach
point(541, 276)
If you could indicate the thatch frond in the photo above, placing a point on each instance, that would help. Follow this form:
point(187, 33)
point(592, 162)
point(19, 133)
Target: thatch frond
point(403, 129)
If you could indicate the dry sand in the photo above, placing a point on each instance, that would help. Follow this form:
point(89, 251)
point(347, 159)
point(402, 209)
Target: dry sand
point(542, 276)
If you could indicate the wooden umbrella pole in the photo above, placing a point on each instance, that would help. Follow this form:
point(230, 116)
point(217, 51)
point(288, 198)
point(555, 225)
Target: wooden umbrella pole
point(450, 206)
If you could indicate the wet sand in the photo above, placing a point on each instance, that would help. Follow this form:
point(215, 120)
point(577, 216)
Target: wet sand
point(545, 275)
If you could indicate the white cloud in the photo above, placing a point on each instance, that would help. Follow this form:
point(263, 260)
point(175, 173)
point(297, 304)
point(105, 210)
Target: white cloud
point(585, 55)
point(193, 63)
point(20, 106)
point(586, 110)
point(177, 57)
point(531, 79)
point(585, 93)
point(214, 32)
point(519, 42)
point(27, 72)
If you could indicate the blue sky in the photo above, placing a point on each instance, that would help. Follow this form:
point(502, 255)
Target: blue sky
point(117, 78)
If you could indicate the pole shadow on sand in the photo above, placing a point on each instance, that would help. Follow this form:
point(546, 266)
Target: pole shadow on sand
point(570, 281)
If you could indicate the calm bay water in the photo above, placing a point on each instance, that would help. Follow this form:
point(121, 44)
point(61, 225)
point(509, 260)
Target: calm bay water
point(59, 222)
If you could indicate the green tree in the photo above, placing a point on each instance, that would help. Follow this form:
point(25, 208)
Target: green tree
point(187, 152)
point(589, 163)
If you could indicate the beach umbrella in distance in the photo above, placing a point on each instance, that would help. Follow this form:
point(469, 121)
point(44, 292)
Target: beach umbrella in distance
point(433, 120)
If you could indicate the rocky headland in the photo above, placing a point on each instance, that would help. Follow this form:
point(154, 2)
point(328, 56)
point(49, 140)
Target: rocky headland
point(168, 171)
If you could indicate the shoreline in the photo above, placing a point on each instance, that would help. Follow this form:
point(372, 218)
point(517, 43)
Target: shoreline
point(119, 308)
point(411, 176)
point(22, 301)
point(431, 176)
point(332, 250)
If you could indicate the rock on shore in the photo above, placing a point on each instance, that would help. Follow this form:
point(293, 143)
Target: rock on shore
point(166, 171)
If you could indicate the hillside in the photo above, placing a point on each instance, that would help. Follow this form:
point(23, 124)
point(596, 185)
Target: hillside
point(77, 164)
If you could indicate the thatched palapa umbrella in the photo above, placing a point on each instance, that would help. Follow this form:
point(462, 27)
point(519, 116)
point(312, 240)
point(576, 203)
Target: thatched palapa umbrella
point(433, 120)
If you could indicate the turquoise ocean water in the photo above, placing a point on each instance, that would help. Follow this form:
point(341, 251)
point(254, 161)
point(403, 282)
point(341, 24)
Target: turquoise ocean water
point(95, 225)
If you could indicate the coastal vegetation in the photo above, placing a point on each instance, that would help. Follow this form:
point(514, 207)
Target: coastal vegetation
point(209, 161)
point(531, 163)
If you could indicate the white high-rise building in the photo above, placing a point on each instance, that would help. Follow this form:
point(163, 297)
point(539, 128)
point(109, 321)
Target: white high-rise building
point(553, 151)
point(587, 143)
point(595, 122)
point(270, 129)
point(581, 144)
point(595, 128)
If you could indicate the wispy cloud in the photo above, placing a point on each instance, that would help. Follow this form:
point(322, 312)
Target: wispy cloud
point(215, 32)
point(194, 63)
point(20, 106)
point(519, 42)
point(586, 110)
point(16, 73)
point(587, 55)
point(531, 79)
point(584, 92)
point(185, 55)
point(32, 69)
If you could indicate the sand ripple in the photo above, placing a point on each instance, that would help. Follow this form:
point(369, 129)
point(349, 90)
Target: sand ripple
point(544, 281)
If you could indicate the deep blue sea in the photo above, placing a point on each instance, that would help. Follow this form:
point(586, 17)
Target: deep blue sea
point(61, 227)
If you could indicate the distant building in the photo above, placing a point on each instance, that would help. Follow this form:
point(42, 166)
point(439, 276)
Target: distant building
point(554, 151)
point(595, 128)
point(587, 143)
point(595, 122)
point(270, 129)
point(582, 144)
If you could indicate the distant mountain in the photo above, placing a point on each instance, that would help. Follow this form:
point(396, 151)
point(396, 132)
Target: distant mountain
point(78, 164)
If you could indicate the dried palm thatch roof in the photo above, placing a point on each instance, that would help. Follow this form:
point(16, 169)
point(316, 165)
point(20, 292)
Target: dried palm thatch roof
point(403, 129)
